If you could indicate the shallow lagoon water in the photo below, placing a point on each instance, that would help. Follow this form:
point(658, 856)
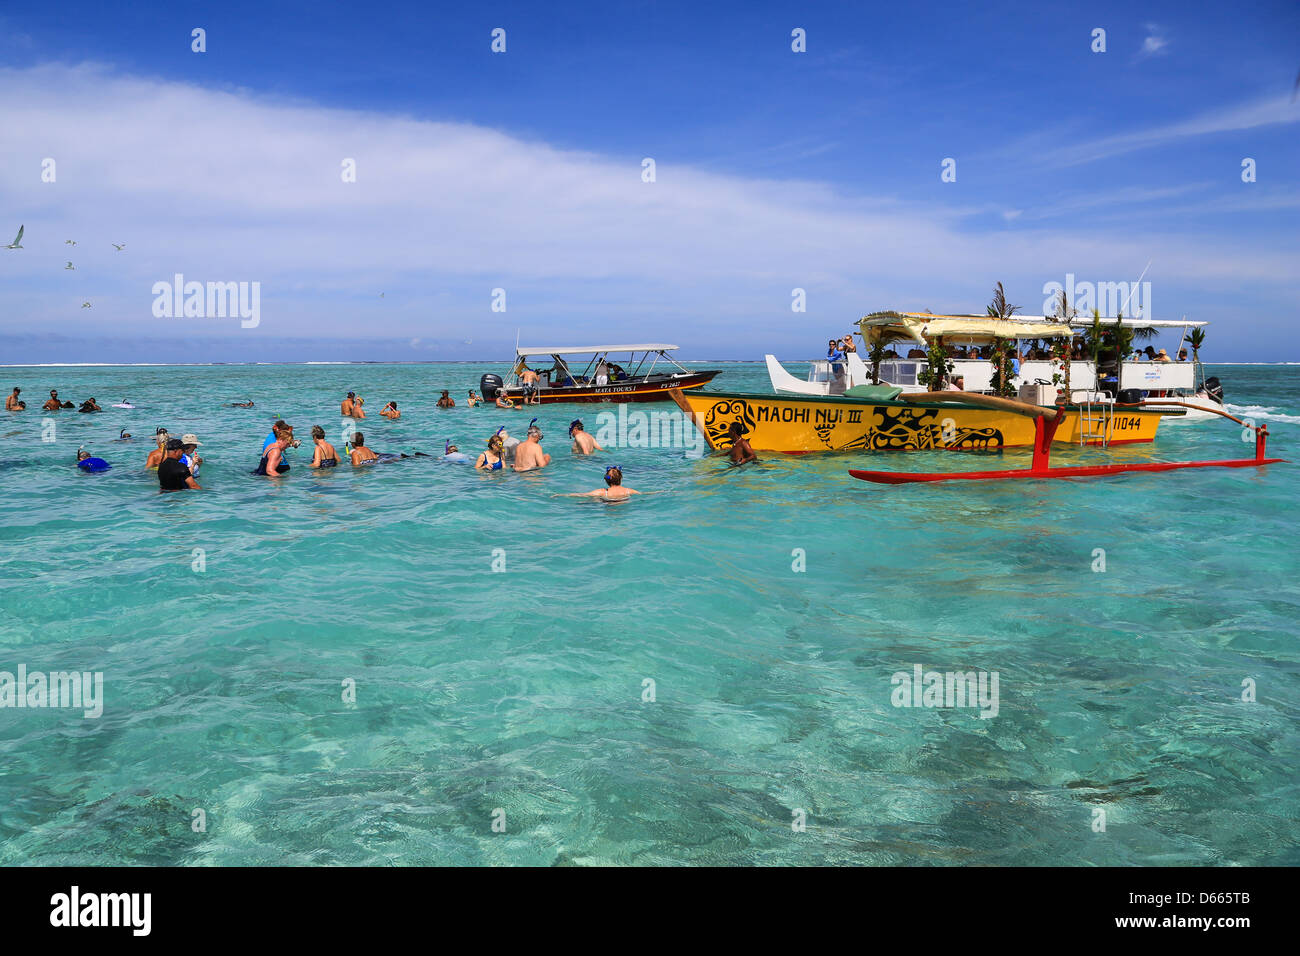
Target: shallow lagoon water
point(522, 691)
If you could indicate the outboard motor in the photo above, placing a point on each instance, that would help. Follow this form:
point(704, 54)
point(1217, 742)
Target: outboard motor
point(489, 385)
point(1213, 388)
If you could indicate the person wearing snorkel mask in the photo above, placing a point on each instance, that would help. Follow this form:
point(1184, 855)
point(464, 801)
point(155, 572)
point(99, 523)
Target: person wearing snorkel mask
point(529, 456)
point(583, 442)
point(614, 489)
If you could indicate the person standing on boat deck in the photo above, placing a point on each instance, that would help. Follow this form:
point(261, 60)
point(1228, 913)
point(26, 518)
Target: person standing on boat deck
point(602, 373)
point(835, 357)
point(529, 456)
point(583, 443)
point(741, 453)
point(1182, 355)
point(848, 344)
point(528, 378)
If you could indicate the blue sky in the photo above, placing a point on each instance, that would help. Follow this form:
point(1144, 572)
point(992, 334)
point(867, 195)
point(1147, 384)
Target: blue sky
point(522, 171)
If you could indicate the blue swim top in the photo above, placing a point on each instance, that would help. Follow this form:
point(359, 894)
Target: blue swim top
point(93, 464)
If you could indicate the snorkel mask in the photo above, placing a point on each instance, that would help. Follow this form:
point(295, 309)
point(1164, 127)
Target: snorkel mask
point(576, 423)
point(610, 470)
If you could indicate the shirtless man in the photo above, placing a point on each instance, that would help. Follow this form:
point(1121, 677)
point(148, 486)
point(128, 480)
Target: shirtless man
point(390, 411)
point(529, 455)
point(528, 378)
point(13, 403)
point(360, 453)
point(346, 408)
point(613, 490)
point(446, 401)
point(52, 404)
point(740, 452)
point(90, 405)
point(357, 410)
point(583, 443)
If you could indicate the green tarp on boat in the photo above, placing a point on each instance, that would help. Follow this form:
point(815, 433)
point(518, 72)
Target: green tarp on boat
point(880, 392)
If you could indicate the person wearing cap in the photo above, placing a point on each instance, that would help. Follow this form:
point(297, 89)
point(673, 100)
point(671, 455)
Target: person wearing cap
point(505, 401)
point(614, 489)
point(1162, 356)
point(583, 442)
point(446, 401)
point(156, 456)
point(529, 456)
point(190, 459)
point(14, 404)
point(346, 408)
point(172, 473)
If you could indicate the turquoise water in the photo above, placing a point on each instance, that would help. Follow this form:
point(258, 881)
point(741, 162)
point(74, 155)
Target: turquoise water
point(523, 690)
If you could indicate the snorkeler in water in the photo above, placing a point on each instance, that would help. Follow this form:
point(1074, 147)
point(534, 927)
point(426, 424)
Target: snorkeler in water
point(614, 489)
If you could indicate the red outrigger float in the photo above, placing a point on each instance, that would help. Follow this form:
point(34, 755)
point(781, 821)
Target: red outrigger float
point(1040, 467)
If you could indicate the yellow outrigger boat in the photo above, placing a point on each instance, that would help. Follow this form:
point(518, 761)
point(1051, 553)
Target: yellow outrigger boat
point(959, 421)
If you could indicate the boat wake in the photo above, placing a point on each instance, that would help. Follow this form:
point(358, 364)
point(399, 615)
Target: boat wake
point(1262, 413)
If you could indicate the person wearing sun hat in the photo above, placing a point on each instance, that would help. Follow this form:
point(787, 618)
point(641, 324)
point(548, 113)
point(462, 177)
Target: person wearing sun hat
point(190, 459)
point(1162, 356)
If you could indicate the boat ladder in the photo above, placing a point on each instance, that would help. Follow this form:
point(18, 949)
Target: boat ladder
point(1096, 422)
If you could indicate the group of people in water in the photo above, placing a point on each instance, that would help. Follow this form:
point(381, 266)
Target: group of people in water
point(177, 460)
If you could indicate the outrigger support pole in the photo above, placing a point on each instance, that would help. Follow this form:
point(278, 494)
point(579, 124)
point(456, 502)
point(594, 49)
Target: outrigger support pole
point(1040, 467)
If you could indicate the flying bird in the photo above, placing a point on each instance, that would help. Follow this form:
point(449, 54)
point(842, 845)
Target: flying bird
point(69, 266)
point(85, 305)
point(381, 295)
point(17, 243)
point(69, 242)
point(118, 246)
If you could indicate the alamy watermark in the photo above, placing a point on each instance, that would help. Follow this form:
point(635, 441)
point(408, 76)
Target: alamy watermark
point(1133, 299)
point(638, 429)
point(951, 689)
point(76, 689)
point(208, 300)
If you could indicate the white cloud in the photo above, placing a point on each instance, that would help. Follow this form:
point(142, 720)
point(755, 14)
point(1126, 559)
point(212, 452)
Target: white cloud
point(227, 185)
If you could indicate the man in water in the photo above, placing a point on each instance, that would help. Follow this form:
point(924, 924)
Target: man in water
point(583, 443)
point(172, 473)
point(325, 455)
point(740, 452)
point(247, 404)
point(156, 456)
point(13, 403)
point(446, 401)
point(272, 464)
point(52, 404)
point(360, 453)
point(613, 490)
point(529, 456)
point(346, 408)
point(90, 406)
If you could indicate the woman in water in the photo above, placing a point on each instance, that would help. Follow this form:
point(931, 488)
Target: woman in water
point(493, 459)
point(613, 490)
point(361, 455)
point(158, 454)
point(473, 399)
point(325, 456)
point(390, 411)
